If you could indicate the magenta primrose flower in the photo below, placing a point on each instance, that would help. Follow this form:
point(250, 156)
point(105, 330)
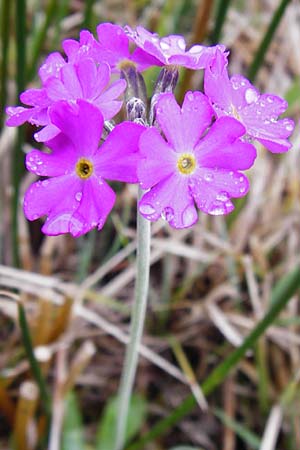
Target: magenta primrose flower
point(171, 50)
point(112, 47)
point(66, 81)
point(189, 165)
point(237, 97)
point(76, 197)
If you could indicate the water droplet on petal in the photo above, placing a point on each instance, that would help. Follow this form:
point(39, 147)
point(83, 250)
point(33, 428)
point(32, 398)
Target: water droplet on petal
point(208, 177)
point(167, 214)
point(242, 190)
point(45, 183)
point(146, 209)
point(164, 45)
point(189, 216)
point(35, 216)
point(217, 209)
point(222, 196)
point(251, 95)
point(289, 127)
point(190, 96)
point(181, 44)
point(78, 196)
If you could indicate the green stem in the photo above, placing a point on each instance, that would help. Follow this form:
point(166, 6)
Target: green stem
point(34, 365)
point(88, 14)
point(281, 294)
point(40, 38)
point(267, 39)
point(220, 19)
point(137, 325)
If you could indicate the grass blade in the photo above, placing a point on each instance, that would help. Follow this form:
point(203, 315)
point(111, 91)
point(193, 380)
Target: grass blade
point(5, 20)
point(267, 39)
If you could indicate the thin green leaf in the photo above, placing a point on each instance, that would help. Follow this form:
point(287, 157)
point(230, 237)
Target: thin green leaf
point(267, 39)
point(106, 434)
point(220, 20)
point(34, 365)
point(72, 434)
point(243, 432)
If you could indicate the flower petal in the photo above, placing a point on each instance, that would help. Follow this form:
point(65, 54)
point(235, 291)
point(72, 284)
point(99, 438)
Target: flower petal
point(243, 92)
point(57, 91)
point(96, 203)
point(158, 158)
point(213, 188)
point(51, 67)
point(118, 156)
point(45, 197)
point(81, 123)
point(70, 80)
point(46, 133)
point(114, 42)
point(171, 200)
point(183, 127)
point(92, 79)
point(59, 163)
point(217, 85)
point(260, 119)
point(19, 115)
point(222, 149)
point(35, 97)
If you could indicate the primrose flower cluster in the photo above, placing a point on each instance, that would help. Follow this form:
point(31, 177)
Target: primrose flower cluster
point(185, 157)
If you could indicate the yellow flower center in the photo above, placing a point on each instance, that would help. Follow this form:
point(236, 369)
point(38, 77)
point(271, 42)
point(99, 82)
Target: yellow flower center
point(186, 163)
point(84, 168)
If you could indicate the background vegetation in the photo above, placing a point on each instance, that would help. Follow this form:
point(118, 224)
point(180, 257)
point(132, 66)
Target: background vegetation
point(224, 297)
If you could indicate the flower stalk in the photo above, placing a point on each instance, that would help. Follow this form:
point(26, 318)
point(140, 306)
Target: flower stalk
point(136, 111)
point(136, 328)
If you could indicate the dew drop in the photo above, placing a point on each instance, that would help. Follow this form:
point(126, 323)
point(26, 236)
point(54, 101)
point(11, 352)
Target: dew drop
point(251, 95)
point(181, 44)
point(35, 216)
point(146, 209)
point(242, 190)
point(195, 49)
point(270, 99)
point(222, 196)
point(31, 166)
point(217, 209)
point(164, 45)
point(289, 127)
point(78, 196)
point(45, 183)
point(189, 216)
point(208, 177)
point(190, 96)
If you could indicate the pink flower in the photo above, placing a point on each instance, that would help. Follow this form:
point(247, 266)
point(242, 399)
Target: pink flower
point(237, 97)
point(191, 165)
point(114, 49)
point(86, 47)
point(66, 81)
point(76, 197)
point(171, 50)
